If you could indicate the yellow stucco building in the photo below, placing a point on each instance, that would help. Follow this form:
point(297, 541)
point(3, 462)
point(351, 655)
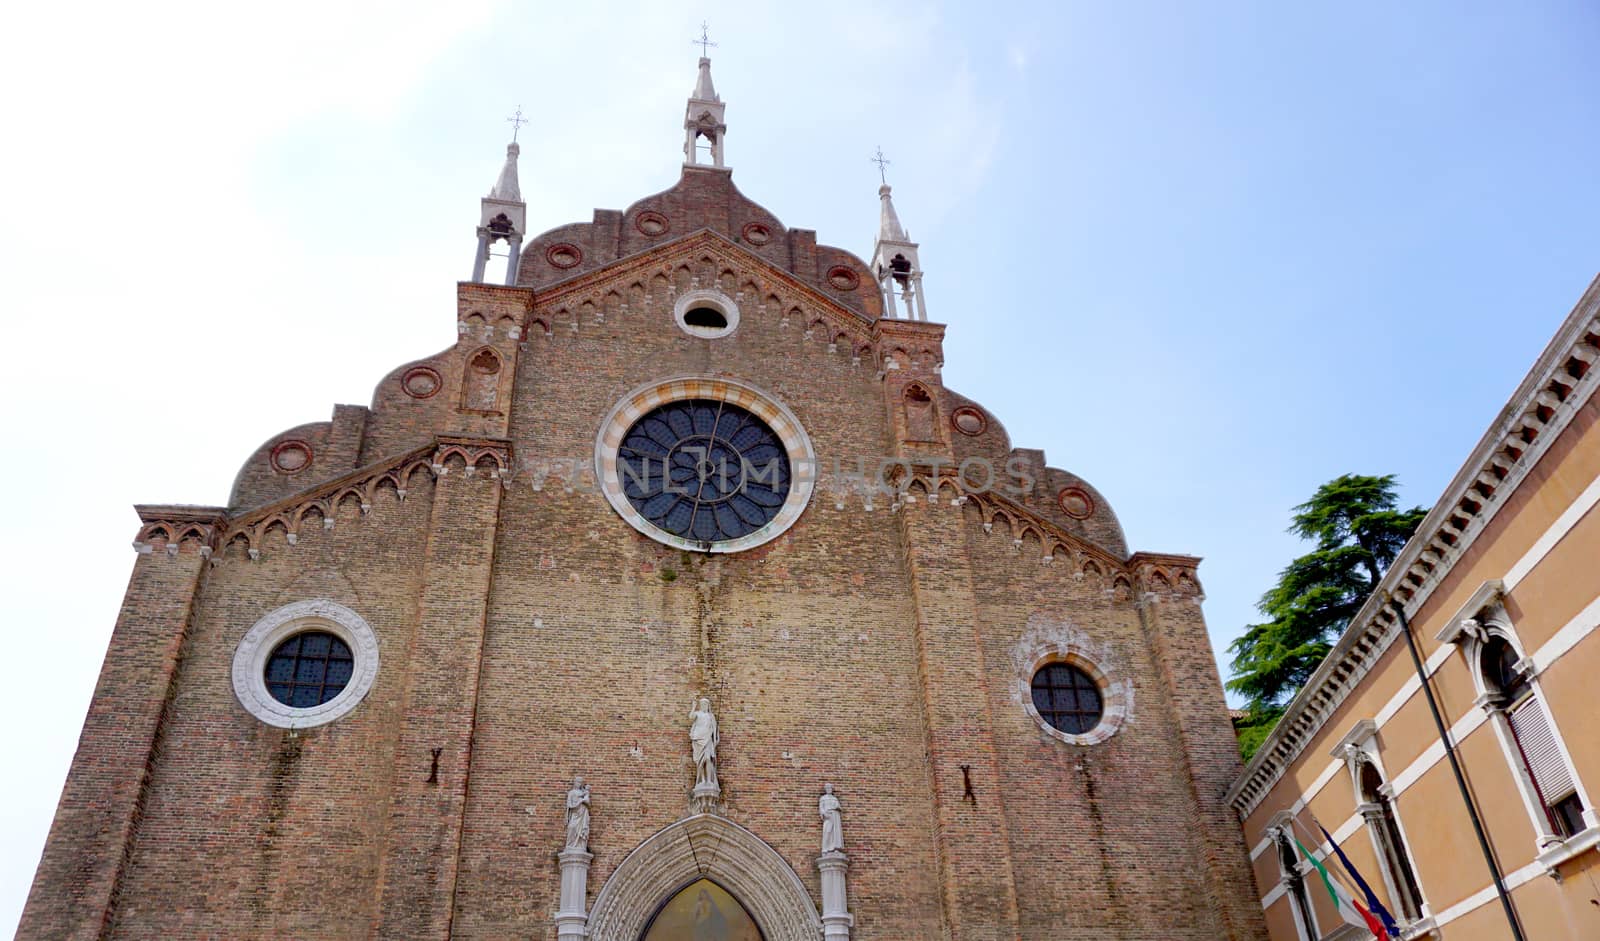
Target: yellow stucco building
point(1500, 593)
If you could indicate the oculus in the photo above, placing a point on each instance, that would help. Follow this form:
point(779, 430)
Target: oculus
point(756, 234)
point(1072, 697)
point(1076, 503)
point(305, 664)
point(707, 314)
point(968, 420)
point(564, 255)
point(704, 470)
point(1067, 699)
point(309, 669)
point(841, 278)
point(651, 223)
point(421, 382)
point(291, 457)
point(707, 465)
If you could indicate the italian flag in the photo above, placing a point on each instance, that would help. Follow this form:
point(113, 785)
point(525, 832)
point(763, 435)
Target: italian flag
point(1349, 909)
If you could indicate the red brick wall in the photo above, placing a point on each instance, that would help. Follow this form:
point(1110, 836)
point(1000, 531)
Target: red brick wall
point(530, 634)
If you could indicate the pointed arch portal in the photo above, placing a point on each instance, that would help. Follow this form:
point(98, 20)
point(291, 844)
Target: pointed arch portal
point(740, 874)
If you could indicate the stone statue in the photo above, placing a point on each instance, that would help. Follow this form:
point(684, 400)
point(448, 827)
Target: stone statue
point(578, 815)
point(832, 829)
point(703, 738)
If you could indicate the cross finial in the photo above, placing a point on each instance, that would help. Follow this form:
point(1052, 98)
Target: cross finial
point(882, 162)
point(517, 120)
point(704, 42)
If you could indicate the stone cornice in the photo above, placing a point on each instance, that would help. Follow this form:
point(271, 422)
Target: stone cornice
point(489, 456)
point(1561, 381)
point(1148, 572)
point(176, 524)
point(701, 240)
point(473, 452)
point(916, 338)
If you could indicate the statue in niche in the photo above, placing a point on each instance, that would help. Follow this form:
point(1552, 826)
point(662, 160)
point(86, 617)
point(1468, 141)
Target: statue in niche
point(703, 738)
point(578, 815)
point(832, 828)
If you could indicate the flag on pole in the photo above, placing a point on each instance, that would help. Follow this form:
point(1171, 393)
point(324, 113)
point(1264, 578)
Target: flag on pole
point(1348, 908)
point(1373, 905)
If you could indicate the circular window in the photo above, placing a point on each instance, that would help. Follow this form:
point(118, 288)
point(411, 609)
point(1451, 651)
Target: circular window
point(305, 664)
point(309, 669)
point(705, 464)
point(968, 420)
point(1071, 692)
point(1076, 503)
point(651, 223)
point(291, 457)
point(1067, 699)
point(564, 255)
point(842, 278)
point(421, 382)
point(705, 318)
point(706, 314)
point(756, 234)
point(704, 470)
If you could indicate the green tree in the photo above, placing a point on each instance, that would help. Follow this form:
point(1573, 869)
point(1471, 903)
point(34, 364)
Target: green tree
point(1357, 528)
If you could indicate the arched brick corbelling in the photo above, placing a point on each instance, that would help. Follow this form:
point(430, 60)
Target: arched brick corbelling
point(710, 847)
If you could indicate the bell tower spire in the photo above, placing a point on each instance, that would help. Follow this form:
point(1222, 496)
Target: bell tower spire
point(704, 115)
point(894, 256)
point(503, 214)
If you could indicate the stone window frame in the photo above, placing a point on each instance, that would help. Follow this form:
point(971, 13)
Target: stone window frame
point(1292, 878)
point(1357, 748)
point(1116, 695)
point(765, 406)
point(256, 646)
point(1481, 619)
point(706, 297)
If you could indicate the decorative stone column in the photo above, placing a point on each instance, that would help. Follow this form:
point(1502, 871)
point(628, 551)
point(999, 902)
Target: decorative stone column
point(572, 919)
point(836, 917)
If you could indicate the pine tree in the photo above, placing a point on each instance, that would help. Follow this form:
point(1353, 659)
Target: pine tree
point(1358, 530)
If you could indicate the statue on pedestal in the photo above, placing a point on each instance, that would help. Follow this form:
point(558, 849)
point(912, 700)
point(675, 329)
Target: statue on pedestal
point(832, 828)
point(578, 815)
point(703, 737)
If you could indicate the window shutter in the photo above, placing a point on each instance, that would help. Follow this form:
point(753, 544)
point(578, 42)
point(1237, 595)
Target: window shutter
point(1531, 723)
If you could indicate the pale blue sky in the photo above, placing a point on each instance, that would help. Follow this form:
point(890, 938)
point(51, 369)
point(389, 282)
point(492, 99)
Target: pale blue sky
point(1206, 256)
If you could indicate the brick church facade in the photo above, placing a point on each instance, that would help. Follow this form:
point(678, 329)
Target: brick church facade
point(353, 702)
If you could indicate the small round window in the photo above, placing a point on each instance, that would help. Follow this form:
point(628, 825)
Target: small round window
point(705, 318)
point(309, 669)
point(707, 314)
point(305, 664)
point(1067, 698)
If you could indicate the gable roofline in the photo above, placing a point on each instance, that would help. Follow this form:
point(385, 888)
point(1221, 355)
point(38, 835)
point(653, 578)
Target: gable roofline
point(700, 239)
point(1561, 381)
